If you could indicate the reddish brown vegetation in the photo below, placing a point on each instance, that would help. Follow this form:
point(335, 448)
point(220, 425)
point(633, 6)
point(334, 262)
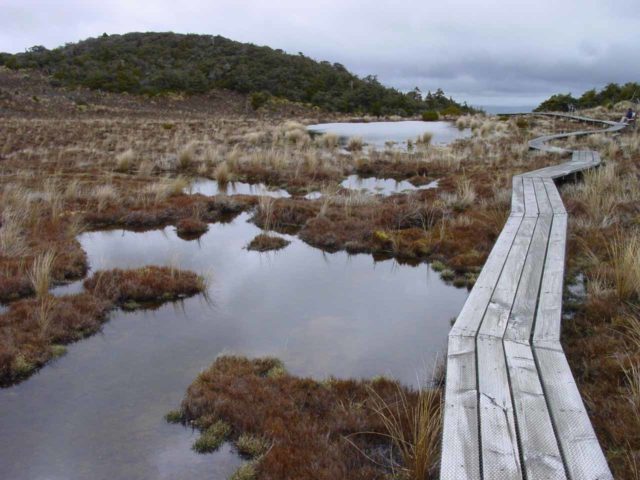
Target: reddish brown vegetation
point(144, 285)
point(264, 243)
point(319, 430)
point(31, 328)
point(191, 228)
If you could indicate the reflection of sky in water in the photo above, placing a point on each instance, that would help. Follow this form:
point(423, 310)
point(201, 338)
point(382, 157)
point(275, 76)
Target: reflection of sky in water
point(98, 411)
point(376, 134)
point(384, 186)
point(209, 187)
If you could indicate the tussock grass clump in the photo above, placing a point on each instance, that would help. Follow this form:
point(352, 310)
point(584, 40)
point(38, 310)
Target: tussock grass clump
point(212, 438)
point(12, 241)
point(174, 416)
point(355, 144)
point(191, 228)
point(125, 160)
point(624, 254)
point(40, 273)
point(245, 472)
point(414, 427)
point(329, 140)
point(222, 173)
point(144, 285)
point(251, 445)
point(187, 156)
point(32, 331)
point(264, 242)
point(322, 430)
point(425, 139)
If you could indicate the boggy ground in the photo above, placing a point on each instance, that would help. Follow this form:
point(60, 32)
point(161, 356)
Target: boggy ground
point(298, 428)
point(34, 330)
point(76, 160)
point(601, 328)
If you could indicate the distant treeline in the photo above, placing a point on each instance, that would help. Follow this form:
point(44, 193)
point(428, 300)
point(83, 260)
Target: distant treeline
point(157, 63)
point(608, 96)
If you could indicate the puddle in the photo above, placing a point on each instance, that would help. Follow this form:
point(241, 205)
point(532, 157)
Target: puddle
point(210, 187)
point(378, 134)
point(376, 186)
point(383, 186)
point(97, 412)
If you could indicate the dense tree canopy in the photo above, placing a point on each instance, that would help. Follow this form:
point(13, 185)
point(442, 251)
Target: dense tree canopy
point(155, 63)
point(609, 95)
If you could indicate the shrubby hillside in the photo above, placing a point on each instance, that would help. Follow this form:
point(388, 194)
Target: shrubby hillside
point(608, 96)
point(157, 63)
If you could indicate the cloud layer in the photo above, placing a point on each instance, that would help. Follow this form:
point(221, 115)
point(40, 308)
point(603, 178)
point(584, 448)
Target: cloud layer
point(490, 52)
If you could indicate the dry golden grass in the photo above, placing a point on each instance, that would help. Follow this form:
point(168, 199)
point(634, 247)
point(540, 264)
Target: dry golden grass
point(624, 254)
point(414, 428)
point(40, 273)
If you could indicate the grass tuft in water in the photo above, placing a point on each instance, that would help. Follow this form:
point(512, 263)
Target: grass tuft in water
point(212, 438)
point(252, 445)
point(174, 416)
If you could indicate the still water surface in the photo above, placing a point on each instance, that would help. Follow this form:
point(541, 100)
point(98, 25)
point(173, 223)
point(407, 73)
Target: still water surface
point(377, 134)
point(98, 411)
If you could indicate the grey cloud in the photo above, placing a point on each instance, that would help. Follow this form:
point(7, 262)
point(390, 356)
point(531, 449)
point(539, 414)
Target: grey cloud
point(484, 52)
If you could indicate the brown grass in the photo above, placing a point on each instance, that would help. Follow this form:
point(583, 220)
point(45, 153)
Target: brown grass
point(191, 228)
point(144, 285)
point(32, 329)
point(322, 430)
point(264, 243)
point(414, 429)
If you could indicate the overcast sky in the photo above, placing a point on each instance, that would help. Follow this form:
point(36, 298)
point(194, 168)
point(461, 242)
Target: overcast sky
point(488, 52)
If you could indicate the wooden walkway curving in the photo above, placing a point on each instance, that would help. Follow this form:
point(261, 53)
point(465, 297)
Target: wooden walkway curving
point(512, 409)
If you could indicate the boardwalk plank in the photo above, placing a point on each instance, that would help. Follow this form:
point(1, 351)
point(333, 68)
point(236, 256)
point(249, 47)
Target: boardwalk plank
point(512, 409)
point(471, 314)
point(549, 313)
point(460, 449)
point(540, 450)
point(498, 437)
point(581, 450)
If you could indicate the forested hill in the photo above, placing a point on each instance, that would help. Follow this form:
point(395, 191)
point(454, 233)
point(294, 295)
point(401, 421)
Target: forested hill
point(606, 97)
point(156, 63)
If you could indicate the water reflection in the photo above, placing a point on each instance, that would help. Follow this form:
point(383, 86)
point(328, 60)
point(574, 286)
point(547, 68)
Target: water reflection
point(378, 134)
point(98, 411)
point(209, 187)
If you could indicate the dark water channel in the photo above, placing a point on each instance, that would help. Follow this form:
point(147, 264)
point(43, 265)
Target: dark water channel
point(97, 412)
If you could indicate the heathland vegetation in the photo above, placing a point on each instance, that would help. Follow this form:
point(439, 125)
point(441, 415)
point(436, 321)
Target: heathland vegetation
point(160, 63)
point(605, 97)
point(76, 159)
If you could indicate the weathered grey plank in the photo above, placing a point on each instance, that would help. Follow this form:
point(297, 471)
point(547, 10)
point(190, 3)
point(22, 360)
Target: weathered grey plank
point(517, 196)
point(539, 447)
point(495, 319)
point(549, 312)
point(521, 317)
point(554, 197)
point(580, 448)
point(471, 314)
point(530, 202)
point(498, 438)
point(460, 448)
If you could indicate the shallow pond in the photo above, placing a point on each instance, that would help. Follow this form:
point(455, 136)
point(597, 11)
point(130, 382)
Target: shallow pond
point(97, 412)
point(377, 134)
point(383, 186)
point(209, 187)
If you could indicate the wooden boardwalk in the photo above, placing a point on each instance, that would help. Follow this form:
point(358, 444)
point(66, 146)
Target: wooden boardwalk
point(512, 408)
